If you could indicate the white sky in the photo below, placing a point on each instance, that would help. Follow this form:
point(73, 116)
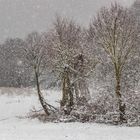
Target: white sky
point(20, 17)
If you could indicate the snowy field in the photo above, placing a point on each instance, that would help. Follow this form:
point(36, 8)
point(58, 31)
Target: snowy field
point(12, 127)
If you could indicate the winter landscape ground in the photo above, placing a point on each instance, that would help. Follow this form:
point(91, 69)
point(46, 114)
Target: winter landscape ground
point(15, 104)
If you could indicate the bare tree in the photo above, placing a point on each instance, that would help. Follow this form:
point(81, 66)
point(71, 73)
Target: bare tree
point(35, 54)
point(63, 43)
point(115, 30)
point(67, 59)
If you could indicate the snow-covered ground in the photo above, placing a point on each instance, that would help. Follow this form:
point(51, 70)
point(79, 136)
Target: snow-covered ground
point(14, 128)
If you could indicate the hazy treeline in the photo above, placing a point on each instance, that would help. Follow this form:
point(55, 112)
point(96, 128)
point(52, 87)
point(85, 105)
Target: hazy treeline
point(13, 71)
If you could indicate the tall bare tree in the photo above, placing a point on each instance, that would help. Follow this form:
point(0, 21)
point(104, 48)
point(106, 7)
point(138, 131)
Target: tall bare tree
point(67, 59)
point(115, 30)
point(36, 58)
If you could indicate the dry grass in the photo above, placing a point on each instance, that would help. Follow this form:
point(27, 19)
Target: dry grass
point(16, 91)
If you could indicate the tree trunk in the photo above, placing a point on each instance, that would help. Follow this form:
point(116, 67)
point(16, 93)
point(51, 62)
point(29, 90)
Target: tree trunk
point(121, 106)
point(80, 87)
point(67, 95)
point(41, 99)
point(84, 91)
point(64, 92)
point(76, 91)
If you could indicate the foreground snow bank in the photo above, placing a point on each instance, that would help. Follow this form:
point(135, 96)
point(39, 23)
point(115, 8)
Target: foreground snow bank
point(34, 130)
point(13, 128)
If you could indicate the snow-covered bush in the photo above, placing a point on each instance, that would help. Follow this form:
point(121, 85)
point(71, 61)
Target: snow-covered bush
point(101, 109)
point(104, 109)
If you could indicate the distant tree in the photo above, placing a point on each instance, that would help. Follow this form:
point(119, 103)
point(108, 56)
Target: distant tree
point(12, 71)
point(136, 8)
point(116, 31)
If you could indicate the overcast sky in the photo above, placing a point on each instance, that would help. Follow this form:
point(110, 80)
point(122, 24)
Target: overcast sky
point(20, 17)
